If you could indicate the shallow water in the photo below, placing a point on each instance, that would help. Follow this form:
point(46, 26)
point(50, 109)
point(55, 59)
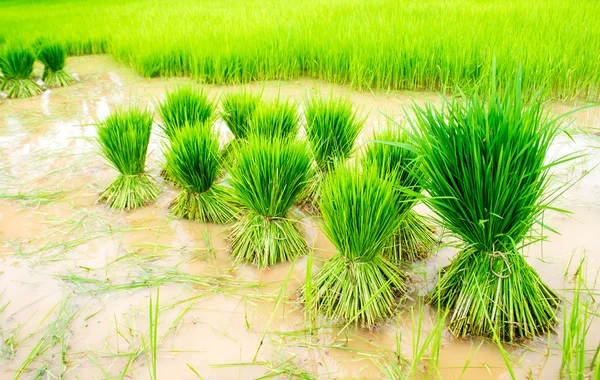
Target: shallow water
point(57, 244)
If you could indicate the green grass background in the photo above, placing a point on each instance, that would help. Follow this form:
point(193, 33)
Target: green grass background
point(374, 44)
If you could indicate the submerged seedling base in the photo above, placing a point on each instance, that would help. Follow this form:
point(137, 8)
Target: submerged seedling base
point(20, 88)
point(59, 78)
point(356, 292)
point(495, 294)
point(129, 192)
point(414, 240)
point(213, 206)
point(266, 241)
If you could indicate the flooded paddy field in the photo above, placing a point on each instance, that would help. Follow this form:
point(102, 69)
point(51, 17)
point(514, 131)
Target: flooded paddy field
point(82, 287)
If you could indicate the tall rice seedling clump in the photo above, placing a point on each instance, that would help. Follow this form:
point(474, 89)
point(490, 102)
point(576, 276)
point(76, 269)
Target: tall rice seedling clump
point(54, 57)
point(277, 119)
point(183, 107)
point(391, 155)
point(123, 139)
point(238, 110)
point(268, 178)
point(332, 127)
point(193, 161)
point(484, 160)
point(360, 213)
point(16, 66)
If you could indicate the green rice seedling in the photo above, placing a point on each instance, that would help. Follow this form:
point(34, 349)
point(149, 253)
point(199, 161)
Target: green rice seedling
point(54, 57)
point(390, 155)
point(276, 119)
point(484, 159)
point(193, 161)
point(123, 139)
point(332, 126)
point(360, 214)
point(238, 110)
point(16, 66)
point(185, 106)
point(268, 178)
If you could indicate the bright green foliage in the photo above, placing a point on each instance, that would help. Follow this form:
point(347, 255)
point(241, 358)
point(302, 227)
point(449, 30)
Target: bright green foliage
point(276, 119)
point(185, 106)
point(391, 155)
point(193, 162)
point(332, 127)
point(487, 176)
point(360, 214)
point(268, 178)
point(124, 137)
point(54, 57)
point(16, 66)
point(238, 109)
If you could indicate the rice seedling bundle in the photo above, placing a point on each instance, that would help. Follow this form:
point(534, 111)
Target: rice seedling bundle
point(395, 160)
point(193, 162)
point(268, 178)
point(238, 110)
point(332, 127)
point(124, 137)
point(54, 57)
point(16, 66)
point(484, 159)
point(277, 119)
point(183, 107)
point(360, 214)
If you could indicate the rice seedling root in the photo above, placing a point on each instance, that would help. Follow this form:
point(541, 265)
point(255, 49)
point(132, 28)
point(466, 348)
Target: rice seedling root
point(128, 192)
point(212, 206)
point(414, 240)
point(495, 294)
point(359, 292)
point(20, 88)
point(58, 78)
point(266, 241)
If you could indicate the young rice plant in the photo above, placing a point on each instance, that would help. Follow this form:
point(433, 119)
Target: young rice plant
point(394, 159)
point(268, 177)
point(123, 139)
point(276, 119)
point(485, 163)
point(16, 66)
point(360, 213)
point(185, 106)
point(54, 57)
point(193, 162)
point(238, 110)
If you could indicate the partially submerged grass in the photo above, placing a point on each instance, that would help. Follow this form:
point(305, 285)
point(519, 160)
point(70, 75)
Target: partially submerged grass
point(123, 139)
point(358, 284)
point(268, 178)
point(332, 126)
point(16, 66)
point(193, 162)
point(183, 106)
point(487, 175)
point(54, 57)
point(391, 155)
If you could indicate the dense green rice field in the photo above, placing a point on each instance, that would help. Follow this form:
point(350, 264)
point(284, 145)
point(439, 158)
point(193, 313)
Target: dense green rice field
point(377, 45)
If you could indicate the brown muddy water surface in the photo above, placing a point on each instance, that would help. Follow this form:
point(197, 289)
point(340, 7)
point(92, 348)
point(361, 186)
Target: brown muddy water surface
point(74, 276)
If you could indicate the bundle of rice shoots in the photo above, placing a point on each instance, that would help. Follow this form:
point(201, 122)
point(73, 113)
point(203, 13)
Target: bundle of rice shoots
point(391, 155)
point(123, 139)
point(183, 107)
point(54, 57)
point(488, 179)
point(332, 127)
point(193, 161)
point(269, 176)
point(358, 284)
point(238, 110)
point(16, 66)
point(276, 119)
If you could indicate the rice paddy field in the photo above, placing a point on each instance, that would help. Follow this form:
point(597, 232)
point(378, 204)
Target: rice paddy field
point(325, 189)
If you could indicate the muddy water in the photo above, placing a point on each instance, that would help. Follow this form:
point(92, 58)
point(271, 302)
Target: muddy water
point(74, 276)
